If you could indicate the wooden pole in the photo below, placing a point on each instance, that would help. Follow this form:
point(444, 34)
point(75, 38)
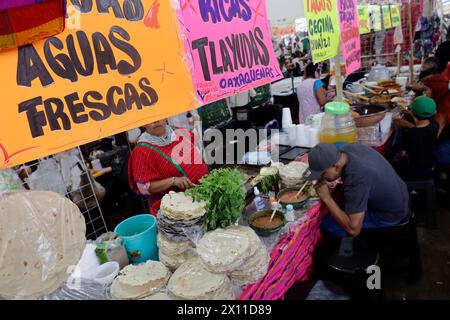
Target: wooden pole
point(411, 48)
point(338, 79)
point(337, 76)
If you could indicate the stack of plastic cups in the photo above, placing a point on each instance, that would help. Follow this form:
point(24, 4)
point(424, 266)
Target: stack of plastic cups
point(292, 134)
point(313, 137)
point(302, 138)
point(287, 118)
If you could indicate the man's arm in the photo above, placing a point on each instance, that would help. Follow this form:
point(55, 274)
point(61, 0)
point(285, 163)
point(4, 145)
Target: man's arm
point(352, 224)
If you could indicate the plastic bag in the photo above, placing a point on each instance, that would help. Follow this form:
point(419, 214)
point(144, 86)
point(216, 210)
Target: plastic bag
point(47, 177)
point(84, 194)
point(9, 181)
point(84, 289)
point(42, 237)
point(71, 173)
point(110, 247)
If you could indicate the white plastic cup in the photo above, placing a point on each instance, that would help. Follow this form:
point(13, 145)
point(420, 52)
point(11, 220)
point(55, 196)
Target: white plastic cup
point(402, 81)
point(106, 273)
point(386, 123)
point(287, 118)
point(292, 133)
point(313, 137)
point(302, 138)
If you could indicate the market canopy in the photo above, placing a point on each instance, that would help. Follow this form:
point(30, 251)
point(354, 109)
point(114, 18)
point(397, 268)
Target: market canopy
point(121, 64)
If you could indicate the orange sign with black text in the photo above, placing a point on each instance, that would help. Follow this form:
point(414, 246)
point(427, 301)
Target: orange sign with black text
point(118, 65)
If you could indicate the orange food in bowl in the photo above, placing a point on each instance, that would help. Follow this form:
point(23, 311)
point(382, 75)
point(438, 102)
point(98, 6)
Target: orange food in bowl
point(291, 197)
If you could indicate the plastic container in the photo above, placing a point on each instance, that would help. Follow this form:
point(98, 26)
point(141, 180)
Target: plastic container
point(337, 124)
point(139, 233)
point(378, 73)
point(259, 201)
point(273, 202)
point(106, 273)
point(290, 213)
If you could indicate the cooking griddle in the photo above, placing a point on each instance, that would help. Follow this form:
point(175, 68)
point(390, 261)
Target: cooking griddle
point(283, 148)
point(292, 154)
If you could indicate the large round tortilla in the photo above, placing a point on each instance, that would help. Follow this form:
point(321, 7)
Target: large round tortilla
point(137, 281)
point(192, 281)
point(253, 269)
point(41, 234)
point(224, 250)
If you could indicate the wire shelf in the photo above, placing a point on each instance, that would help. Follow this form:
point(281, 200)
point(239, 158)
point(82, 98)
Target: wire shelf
point(53, 174)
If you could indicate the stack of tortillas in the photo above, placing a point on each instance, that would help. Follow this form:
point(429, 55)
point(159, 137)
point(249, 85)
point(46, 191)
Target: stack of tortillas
point(180, 216)
point(255, 266)
point(292, 173)
point(179, 219)
point(174, 253)
point(193, 282)
point(223, 250)
point(237, 251)
point(139, 281)
point(179, 206)
point(42, 234)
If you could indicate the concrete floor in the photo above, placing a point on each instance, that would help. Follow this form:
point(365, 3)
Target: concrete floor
point(435, 252)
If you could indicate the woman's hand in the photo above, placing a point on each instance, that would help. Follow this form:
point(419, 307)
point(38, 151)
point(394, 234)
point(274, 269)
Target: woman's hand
point(183, 183)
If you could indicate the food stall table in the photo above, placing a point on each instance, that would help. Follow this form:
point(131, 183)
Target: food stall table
point(291, 258)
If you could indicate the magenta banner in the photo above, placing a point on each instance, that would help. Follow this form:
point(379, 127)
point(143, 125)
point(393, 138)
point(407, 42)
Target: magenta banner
point(229, 46)
point(350, 39)
point(9, 4)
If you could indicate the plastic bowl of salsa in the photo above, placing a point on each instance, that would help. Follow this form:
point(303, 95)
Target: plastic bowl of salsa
point(260, 222)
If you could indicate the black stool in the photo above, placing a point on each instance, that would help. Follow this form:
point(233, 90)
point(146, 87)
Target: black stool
point(397, 243)
point(345, 261)
point(440, 170)
point(430, 192)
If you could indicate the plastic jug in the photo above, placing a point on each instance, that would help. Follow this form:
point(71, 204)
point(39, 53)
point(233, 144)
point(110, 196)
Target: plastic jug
point(337, 124)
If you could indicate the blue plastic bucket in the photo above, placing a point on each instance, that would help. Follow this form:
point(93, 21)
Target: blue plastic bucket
point(139, 233)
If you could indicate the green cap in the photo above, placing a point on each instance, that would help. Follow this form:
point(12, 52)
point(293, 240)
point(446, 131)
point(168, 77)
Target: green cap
point(337, 107)
point(424, 107)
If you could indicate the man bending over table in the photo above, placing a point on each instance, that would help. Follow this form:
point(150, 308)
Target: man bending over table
point(375, 196)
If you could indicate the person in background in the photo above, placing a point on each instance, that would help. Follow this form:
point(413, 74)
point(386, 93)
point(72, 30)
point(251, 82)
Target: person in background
point(298, 47)
point(443, 55)
point(305, 44)
point(436, 85)
point(375, 196)
point(311, 94)
point(419, 141)
point(294, 67)
point(158, 164)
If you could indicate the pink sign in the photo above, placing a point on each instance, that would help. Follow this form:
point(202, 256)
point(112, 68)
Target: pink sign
point(350, 39)
point(229, 46)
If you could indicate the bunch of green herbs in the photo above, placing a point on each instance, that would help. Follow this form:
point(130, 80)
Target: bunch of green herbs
point(224, 193)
